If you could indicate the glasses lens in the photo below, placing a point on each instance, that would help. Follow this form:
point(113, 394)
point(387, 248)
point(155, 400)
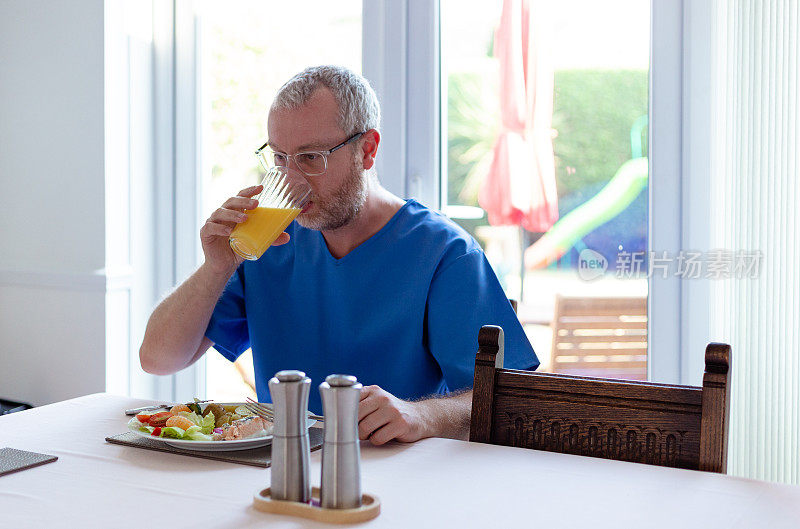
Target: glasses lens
point(277, 159)
point(311, 163)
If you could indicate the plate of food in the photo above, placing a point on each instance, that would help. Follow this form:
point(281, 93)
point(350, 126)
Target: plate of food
point(209, 426)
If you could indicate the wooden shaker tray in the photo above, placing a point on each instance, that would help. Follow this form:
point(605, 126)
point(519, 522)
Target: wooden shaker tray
point(370, 508)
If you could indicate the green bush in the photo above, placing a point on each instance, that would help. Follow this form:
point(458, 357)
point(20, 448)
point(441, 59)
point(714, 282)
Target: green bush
point(593, 112)
point(592, 116)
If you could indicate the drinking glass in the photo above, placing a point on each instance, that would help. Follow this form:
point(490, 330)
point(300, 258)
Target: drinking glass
point(281, 200)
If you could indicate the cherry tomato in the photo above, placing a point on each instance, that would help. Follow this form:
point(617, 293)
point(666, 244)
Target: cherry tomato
point(156, 432)
point(160, 419)
point(144, 418)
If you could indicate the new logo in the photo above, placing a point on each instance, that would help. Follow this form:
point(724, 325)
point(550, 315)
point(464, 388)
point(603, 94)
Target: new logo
point(591, 265)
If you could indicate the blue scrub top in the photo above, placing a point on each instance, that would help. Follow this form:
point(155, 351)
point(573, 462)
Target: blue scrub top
point(402, 310)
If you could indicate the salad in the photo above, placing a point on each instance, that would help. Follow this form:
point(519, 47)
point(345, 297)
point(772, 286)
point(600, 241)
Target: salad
point(191, 422)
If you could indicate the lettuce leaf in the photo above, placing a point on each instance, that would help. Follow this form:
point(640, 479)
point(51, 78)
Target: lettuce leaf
point(173, 432)
point(192, 416)
point(207, 423)
point(195, 434)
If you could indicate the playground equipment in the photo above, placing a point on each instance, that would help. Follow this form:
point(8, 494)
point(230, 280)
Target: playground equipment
point(616, 195)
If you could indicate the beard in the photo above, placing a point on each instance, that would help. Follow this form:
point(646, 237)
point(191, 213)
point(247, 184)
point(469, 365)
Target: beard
point(342, 207)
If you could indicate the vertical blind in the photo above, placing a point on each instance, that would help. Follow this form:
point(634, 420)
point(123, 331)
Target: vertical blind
point(754, 213)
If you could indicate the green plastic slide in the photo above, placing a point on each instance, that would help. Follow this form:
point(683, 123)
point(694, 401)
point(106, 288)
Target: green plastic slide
point(609, 202)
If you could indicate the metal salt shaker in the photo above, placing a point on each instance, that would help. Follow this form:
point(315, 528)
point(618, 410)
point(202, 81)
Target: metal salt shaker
point(290, 446)
point(341, 451)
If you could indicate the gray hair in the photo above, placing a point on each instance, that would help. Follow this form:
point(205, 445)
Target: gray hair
point(359, 110)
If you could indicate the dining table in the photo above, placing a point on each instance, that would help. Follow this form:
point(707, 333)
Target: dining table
point(434, 482)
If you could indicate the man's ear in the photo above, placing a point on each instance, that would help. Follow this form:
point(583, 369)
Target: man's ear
point(372, 138)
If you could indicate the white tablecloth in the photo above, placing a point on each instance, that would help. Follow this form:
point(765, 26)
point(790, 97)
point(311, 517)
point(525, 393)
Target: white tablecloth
point(432, 483)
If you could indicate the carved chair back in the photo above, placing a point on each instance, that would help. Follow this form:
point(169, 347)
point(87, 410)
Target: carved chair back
point(658, 424)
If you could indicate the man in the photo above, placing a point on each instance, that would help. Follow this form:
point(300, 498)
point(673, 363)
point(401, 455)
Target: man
point(370, 285)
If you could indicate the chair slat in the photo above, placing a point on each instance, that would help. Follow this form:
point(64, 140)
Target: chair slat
point(585, 330)
point(635, 305)
point(603, 338)
point(596, 369)
point(601, 325)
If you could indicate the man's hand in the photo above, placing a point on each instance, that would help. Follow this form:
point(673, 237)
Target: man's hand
point(383, 417)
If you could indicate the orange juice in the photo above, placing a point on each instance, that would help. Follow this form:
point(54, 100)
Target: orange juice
point(251, 238)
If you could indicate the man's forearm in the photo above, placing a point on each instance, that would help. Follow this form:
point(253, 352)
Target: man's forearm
point(447, 416)
point(177, 326)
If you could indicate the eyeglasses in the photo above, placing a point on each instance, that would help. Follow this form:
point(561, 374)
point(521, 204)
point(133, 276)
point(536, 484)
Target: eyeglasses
point(311, 163)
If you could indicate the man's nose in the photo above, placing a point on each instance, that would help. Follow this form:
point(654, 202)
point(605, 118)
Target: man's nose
point(294, 174)
point(293, 169)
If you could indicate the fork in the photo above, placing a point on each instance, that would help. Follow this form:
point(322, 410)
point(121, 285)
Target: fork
point(266, 412)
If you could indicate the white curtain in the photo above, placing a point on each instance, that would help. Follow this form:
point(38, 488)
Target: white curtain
point(754, 215)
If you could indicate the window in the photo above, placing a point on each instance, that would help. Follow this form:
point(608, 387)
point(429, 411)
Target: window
point(553, 181)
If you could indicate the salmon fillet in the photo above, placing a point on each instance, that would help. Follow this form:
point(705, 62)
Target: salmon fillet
point(245, 428)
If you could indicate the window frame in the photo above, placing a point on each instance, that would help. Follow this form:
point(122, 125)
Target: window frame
point(400, 57)
point(680, 163)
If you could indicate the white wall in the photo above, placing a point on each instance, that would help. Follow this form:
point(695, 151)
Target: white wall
point(52, 198)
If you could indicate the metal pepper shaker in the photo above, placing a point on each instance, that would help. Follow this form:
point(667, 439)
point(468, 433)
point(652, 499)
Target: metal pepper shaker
point(341, 452)
point(289, 477)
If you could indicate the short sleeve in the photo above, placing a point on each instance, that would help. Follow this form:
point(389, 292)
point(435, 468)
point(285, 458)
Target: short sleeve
point(465, 296)
point(228, 325)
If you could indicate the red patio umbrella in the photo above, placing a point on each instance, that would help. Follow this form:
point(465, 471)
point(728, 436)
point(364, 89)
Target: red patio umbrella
point(520, 187)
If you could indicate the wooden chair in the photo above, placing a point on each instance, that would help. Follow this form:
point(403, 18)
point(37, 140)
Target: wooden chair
point(658, 424)
point(600, 336)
